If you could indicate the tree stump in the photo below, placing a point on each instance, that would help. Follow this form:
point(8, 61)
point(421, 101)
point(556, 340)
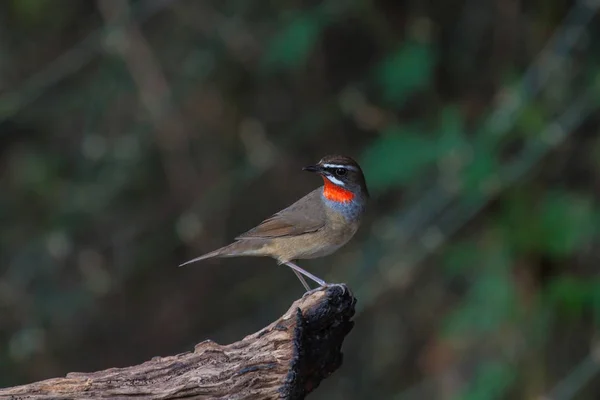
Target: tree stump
point(285, 360)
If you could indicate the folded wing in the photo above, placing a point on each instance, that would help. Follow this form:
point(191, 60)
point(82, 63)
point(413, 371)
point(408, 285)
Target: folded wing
point(304, 216)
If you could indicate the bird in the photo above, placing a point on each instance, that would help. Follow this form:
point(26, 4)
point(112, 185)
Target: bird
point(315, 226)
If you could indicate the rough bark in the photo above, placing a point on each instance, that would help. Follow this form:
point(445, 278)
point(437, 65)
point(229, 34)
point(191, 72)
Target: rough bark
point(285, 360)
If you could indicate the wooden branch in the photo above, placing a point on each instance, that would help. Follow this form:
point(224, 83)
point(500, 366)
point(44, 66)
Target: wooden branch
point(286, 360)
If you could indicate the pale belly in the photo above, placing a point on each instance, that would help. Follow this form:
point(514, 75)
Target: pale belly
point(322, 252)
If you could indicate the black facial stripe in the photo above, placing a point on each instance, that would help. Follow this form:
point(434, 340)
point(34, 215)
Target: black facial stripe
point(338, 171)
point(333, 170)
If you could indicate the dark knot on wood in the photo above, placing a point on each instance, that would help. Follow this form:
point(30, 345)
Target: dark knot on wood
point(285, 360)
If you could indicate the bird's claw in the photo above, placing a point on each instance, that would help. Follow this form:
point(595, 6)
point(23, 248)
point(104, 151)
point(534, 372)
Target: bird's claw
point(326, 286)
point(309, 292)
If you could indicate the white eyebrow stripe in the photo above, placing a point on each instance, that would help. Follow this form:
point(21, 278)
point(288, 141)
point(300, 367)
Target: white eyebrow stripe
point(334, 180)
point(351, 167)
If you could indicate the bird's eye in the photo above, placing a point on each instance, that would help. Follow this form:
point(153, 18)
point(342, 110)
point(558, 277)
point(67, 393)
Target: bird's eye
point(340, 171)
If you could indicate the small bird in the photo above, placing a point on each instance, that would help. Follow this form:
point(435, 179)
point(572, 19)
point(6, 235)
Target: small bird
point(315, 226)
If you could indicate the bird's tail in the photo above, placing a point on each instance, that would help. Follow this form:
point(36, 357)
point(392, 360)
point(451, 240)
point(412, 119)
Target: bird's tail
point(232, 250)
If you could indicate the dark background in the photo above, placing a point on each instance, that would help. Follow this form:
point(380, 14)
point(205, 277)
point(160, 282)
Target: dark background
point(137, 135)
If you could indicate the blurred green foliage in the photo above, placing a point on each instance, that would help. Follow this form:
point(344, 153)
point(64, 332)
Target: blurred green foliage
point(483, 166)
point(405, 71)
point(397, 157)
point(558, 224)
point(574, 296)
point(492, 381)
point(290, 48)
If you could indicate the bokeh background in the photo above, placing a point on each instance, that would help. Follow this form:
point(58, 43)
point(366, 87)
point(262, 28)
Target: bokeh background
point(135, 135)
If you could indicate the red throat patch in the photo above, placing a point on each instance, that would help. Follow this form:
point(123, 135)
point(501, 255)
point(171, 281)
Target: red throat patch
point(336, 193)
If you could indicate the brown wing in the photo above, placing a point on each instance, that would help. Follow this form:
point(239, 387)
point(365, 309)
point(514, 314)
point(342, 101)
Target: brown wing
point(304, 216)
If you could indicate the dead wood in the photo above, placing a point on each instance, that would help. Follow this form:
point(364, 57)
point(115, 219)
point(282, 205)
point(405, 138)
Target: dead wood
point(285, 360)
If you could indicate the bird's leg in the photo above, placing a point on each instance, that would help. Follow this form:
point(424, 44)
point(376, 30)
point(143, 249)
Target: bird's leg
point(299, 275)
point(310, 276)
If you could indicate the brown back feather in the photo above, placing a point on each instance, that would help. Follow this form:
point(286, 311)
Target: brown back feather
point(304, 216)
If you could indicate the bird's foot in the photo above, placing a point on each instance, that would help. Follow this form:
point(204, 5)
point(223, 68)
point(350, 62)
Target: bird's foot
point(309, 292)
point(326, 286)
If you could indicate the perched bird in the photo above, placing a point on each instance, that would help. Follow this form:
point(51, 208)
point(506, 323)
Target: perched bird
point(315, 226)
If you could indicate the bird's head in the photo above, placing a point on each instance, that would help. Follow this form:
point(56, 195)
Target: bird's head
point(344, 180)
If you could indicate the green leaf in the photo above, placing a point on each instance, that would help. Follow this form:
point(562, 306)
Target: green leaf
point(291, 47)
point(404, 72)
point(397, 157)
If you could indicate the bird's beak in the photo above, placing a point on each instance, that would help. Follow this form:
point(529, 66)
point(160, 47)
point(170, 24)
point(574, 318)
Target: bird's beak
point(312, 168)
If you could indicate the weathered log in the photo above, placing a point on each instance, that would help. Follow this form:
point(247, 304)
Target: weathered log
point(286, 360)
